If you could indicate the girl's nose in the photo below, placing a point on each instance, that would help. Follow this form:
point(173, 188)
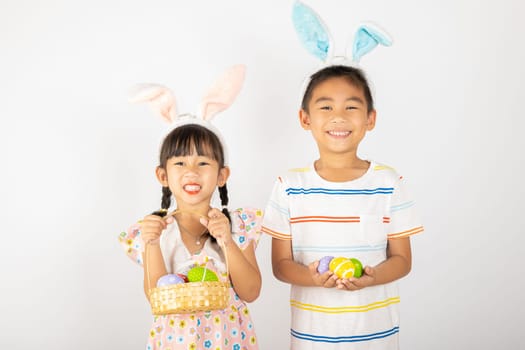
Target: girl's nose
point(191, 171)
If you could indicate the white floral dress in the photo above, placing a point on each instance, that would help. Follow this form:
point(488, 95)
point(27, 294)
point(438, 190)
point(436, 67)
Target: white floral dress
point(231, 328)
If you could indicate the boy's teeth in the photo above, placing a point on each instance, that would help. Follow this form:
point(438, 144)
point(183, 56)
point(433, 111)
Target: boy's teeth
point(339, 133)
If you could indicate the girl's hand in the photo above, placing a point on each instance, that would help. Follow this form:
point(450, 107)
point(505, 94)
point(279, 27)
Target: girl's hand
point(326, 279)
point(366, 280)
point(152, 226)
point(218, 225)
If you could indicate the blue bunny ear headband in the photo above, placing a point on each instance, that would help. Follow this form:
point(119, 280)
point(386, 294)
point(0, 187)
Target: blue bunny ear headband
point(316, 39)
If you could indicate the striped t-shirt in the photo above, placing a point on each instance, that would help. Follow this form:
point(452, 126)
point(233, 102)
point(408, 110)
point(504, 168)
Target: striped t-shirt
point(349, 219)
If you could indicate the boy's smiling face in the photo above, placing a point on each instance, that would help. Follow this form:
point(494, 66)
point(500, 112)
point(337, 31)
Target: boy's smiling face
point(337, 116)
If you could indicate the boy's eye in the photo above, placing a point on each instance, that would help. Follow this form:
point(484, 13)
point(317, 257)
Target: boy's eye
point(326, 108)
point(351, 107)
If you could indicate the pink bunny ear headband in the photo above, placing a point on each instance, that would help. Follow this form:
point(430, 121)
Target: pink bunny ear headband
point(218, 98)
point(316, 39)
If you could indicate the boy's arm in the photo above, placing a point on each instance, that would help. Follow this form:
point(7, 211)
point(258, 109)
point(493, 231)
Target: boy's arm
point(397, 264)
point(287, 270)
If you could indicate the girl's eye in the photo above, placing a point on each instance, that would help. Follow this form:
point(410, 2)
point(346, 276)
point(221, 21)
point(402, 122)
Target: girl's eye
point(178, 163)
point(203, 163)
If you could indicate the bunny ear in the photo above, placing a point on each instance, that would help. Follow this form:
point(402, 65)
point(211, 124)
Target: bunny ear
point(311, 30)
point(160, 98)
point(367, 37)
point(222, 94)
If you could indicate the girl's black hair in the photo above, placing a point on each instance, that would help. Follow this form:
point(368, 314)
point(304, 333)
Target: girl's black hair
point(183, 141)
point(355, 76)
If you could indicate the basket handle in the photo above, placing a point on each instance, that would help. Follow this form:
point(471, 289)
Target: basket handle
point(148, 244)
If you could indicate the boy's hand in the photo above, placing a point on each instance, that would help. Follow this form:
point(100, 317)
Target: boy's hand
point(218, 225)
point(326, 279)
point(366, 280)
point(152, 226)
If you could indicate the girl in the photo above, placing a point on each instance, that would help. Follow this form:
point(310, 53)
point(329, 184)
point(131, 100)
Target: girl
point(191, 167)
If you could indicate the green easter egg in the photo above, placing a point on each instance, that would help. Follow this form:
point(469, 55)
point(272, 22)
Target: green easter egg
point(358, 267)
point(201, 274)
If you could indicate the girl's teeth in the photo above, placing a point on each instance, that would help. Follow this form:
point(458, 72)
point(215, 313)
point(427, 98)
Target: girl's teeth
point(192, 188)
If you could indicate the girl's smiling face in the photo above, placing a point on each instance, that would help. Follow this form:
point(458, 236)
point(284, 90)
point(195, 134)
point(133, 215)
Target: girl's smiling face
point(337, 116)
point(192, 179)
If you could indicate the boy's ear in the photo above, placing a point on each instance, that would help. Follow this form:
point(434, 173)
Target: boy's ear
point(304, 119)
point(162, 176)
point(224, 174)
point(371, 120)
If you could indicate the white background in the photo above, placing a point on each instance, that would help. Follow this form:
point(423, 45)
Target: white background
point(78, 160)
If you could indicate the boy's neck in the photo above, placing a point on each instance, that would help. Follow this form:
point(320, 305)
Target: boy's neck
point(341, 168)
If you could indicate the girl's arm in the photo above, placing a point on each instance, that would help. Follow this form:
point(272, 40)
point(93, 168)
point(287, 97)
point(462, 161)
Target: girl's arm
point(242, 264)
point(244, 271)
point(154, 268)
point(397, 264)
point(287, 270)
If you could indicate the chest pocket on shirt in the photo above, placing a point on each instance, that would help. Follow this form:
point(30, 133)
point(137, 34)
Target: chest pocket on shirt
point(372, 230)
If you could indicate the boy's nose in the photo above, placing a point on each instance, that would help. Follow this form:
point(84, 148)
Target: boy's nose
point(337, 118)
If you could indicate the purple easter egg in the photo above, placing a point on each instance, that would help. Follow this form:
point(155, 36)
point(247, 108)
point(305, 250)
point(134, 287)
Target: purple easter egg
point(323, 264)
point(169, 279)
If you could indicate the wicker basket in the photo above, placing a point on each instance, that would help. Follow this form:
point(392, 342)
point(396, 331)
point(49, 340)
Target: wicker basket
point(188, 297)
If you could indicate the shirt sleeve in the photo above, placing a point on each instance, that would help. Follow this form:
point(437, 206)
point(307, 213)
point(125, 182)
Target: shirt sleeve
point(404, 220)
point(131, 242)
point(276, 222)
point(247, 223)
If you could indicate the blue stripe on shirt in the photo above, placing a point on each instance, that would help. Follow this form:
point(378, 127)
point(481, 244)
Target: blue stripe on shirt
point(402, 206)
point(345, 339)
point(379, 190)
point(277, 207)
point(340, 249)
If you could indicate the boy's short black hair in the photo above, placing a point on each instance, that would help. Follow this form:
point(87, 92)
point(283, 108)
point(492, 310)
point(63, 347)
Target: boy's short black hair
point(354, 76)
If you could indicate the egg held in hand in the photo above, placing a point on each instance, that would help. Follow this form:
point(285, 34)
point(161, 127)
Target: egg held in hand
point(344, 267)
point(324, 264)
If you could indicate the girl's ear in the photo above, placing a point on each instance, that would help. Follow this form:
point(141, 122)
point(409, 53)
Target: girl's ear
point(371, 120)
point(162, 176)
point(222, 94)
point(312, 31)
point(224, 174)
point(367, 37)
point(304, 119)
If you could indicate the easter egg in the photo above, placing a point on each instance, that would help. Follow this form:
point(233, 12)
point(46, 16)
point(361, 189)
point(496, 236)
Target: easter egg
point(169, 279)
point(184, 277)
point(335, 262)
point(358, 267)
point(342, 268)
point(201, 274)
point(324, 263)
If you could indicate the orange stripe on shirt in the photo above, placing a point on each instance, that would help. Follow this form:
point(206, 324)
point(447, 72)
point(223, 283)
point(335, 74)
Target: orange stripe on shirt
point(276, 234)
point(406, 233)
